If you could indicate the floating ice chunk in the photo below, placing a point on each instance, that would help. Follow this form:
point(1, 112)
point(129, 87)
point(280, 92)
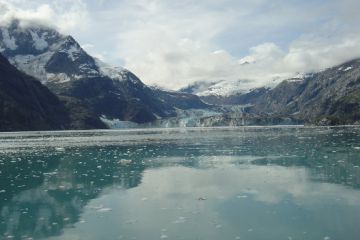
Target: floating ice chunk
point(180, 220)
point(124, 161)
point(103, 210)
point(241, 196)
point(237, 237)
point(327, 238)
point(163, 236)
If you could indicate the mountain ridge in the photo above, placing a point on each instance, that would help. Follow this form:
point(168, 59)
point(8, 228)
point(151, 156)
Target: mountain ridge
point(63, 66)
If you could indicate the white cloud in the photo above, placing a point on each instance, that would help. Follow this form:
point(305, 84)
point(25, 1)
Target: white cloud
point(174, 43)
point(65, 15)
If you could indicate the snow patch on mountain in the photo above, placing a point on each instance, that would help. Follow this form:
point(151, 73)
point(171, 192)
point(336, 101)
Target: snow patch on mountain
point(222, 88)
point(73, 52)
point(39, 42)
point(117, 73)
point(8, 40)
point(33, 65)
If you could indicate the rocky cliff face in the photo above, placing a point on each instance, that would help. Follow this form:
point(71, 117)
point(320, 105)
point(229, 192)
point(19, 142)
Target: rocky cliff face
point(330, 95)
point(26, 104)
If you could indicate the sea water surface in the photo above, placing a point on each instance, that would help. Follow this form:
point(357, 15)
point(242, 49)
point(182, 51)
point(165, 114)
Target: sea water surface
point(204, 183)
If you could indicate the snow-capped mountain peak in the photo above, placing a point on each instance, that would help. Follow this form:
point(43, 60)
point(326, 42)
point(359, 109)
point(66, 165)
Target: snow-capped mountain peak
point(52, 57)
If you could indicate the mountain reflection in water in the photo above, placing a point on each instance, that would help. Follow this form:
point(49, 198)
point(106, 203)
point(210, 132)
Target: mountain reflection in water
point(247, 183)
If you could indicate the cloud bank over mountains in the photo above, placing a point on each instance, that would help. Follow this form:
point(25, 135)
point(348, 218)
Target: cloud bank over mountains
point(175, 43)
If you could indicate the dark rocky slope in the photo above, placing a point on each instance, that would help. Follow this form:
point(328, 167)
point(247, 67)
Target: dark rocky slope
point(26, 104)
point(329, 97)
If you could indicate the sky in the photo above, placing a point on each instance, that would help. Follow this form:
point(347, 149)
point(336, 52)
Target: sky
point(171, 43)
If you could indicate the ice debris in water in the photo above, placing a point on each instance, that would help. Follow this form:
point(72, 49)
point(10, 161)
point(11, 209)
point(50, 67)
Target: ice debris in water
point(163, 236)
point(242, 196)
point(102, 210)
point(180, 220)
point(124, 161)
point(327, 238)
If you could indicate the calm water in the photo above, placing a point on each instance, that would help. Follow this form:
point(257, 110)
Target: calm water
point(242, 183)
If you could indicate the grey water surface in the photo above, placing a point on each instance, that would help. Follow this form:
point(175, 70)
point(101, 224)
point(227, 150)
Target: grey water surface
point(198, 183)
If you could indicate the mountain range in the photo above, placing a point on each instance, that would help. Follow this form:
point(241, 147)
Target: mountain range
point(61, 64)
point(48, 81)
point(328, 97)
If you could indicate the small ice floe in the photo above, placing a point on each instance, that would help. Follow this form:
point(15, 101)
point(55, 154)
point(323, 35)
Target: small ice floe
point(180, 220)
point(201, 199)
point(144, 199)
point(163, 236)
point(242, 196)
point(60, 149)
point(103, 210)
point(327, 238)
point(237, 237)
point(95, 207)
point(218, 226)
point(357, 148)
point(124, 161)
point(99, 167)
